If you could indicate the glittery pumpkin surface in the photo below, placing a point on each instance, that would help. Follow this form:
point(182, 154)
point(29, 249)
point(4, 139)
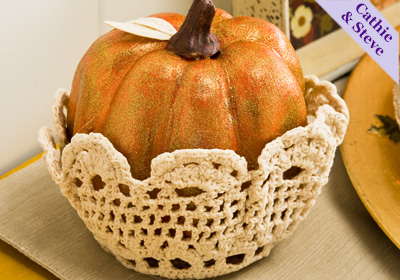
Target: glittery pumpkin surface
point(147, 100)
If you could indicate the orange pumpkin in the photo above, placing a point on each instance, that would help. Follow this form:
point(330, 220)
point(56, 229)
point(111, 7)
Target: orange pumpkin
point(148, 98)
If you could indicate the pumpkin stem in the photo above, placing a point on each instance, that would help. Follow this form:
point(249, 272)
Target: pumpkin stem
point(194, 39)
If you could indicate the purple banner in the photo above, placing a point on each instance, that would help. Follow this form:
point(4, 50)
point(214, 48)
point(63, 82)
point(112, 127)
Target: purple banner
point(366, 25)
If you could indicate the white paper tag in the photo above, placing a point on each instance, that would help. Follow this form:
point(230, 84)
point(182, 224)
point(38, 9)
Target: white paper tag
point(149, 27)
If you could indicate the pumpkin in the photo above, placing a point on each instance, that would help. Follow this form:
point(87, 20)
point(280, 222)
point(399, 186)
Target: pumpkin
point(220, 82)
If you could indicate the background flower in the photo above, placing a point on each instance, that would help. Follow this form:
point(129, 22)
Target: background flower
point(301, 21)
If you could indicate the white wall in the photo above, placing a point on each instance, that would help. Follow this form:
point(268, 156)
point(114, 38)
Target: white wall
point(41, 43)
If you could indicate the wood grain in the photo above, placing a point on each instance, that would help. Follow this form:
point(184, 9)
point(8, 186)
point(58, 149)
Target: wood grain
point(373, 162)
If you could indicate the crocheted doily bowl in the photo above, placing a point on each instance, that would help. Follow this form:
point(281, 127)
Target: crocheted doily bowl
point(233, 216)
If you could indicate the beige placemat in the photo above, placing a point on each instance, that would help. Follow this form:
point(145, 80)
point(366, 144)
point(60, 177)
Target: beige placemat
point(338, 240)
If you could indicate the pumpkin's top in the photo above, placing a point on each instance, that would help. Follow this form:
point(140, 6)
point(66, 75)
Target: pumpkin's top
point(194, 40)
point(148, 100)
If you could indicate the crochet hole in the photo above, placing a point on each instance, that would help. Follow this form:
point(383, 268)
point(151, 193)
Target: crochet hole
point(131, 233)
point(245, 186)
point(191, 247)
point(236, 259)
point(172, 232)
point(164, 245)
point(137, 219)
point(112, 216)
point(209, 222)
point(175, 207)
point(211, 235)
point(235, 214)
point(234, 173)
point(123, 217)
point(191, 206)
point(145, 208)
point(200, 236)
point(78, 182)
point(98, 183)
point(153, 263)
point(283, 214)
point(152, 219)
point(287, 148)
point(180, 264)
point(195, 222)
point(216, 165)
point(292, 172)
point(124, 189)
point(187, 234)
point(157, 231)
point(259, 251)
point(190, 163)
point(181, 220)
point(117, 202)
point(252, 167)
point(132, 262)
point(144, 231)
point(165, 219)
point(208, 208)
point(153, 193)
point(189, 192)
point(142, 243)
point(266, 180)
point(209, 263)
point(302, 187)
point(108, 229)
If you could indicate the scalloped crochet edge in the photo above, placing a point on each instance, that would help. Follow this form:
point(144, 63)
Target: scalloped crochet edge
point(230, 218)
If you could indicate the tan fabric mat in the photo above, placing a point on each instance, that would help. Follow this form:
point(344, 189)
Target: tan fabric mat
point(338, 240)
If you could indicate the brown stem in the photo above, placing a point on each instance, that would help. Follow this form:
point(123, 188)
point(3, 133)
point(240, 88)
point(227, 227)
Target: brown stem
point(194, 39)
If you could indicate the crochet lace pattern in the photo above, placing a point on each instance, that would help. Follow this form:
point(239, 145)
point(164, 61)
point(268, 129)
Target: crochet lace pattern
point(231, 217)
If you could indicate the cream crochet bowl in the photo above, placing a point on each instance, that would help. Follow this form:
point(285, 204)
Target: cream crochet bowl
point(235, 217)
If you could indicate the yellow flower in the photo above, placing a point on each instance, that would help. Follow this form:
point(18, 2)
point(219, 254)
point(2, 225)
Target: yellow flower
point(301, 21)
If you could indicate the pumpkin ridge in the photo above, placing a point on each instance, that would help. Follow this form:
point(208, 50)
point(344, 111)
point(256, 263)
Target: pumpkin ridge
point(255, 30)
point(169, 122)
point(261, 44)
point(259, 95)
point(232, 100)
point(100, 76)
point(122, 80)
point(201, 115)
